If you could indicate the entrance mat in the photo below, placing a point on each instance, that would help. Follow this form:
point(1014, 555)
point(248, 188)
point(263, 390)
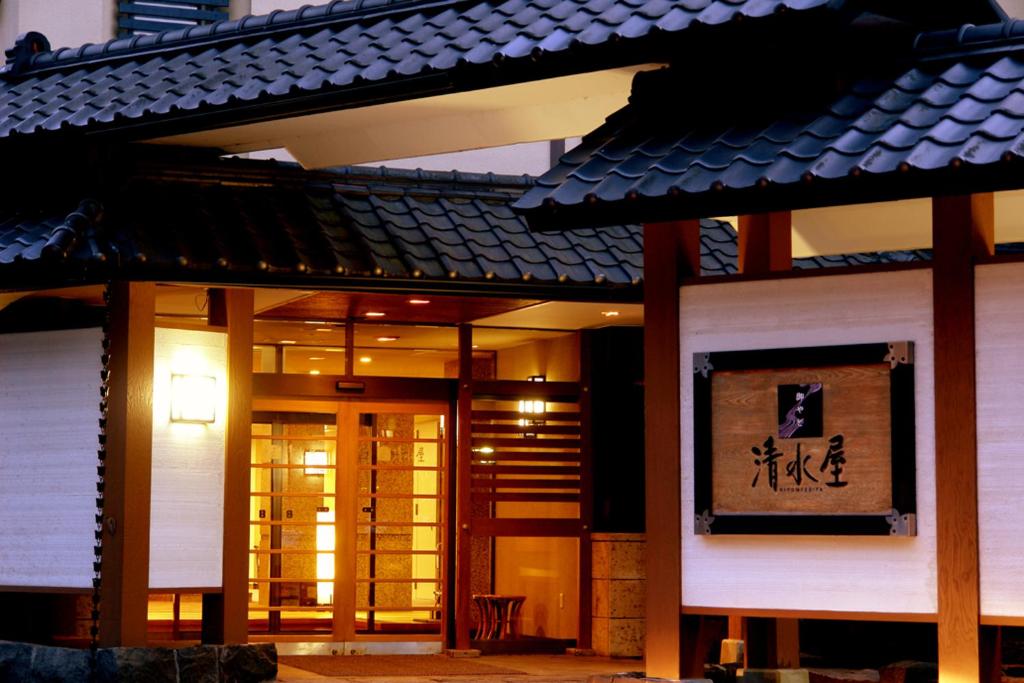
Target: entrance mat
point(393, 665)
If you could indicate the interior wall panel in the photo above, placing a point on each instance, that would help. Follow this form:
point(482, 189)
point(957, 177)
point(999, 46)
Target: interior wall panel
point(999, 290)
point(187, 514)
point(49, 424)
point(817, 573)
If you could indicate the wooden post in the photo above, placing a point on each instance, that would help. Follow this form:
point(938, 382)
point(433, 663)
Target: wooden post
point(124, 588)
point(962, 227)
point(233, 309)
point(584, 634)
point(766, 246)
point(671, 252)
point(463, 505)
point(765, 242)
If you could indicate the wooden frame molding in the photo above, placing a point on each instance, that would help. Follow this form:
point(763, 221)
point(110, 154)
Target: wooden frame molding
point(962, 230)
point(124, 587)
point(671, 252)
point(462, 474)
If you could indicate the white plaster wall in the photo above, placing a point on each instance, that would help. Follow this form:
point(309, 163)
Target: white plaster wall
point(863, 574)
point(187, 513)
point(66, 23)
point(999, 289)
point(49, 423)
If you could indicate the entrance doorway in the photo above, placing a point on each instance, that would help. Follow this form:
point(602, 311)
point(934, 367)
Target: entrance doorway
point(348, 518)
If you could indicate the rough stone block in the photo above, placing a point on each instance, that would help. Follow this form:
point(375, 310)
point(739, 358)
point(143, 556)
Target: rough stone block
point(200, 664)
point(775, 676)
point(59, 665)
point(619, 598)
point(600, 628)
point(15, 661)
point(843, 676)
point(626, 637)
point(136, 665)
point(731, 652)
point(909, 672)
point(248, 663)
point(618, 556)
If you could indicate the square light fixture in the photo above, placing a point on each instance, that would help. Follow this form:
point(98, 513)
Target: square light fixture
point(193, 399)
point(315, 462)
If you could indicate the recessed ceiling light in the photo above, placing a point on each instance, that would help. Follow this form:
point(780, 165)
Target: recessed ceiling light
point(476, 346)
point(317, 358)
point(324, 329)
point(387, 339)
point(374, 314)
point(335, 350)
point(314, 372)
point(419, 302)
point(610, 314)
point(365, 359)
point(287, 341)
point(315, 322)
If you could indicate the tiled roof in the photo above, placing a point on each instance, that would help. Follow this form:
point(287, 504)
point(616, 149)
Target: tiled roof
point(953, 121)
point(353, 52)
point(257, 222)
point(343, 50)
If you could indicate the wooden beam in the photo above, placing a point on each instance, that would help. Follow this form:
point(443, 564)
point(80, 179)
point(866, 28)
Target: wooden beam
point(124, 588)
point(463, 505)
point(765, 242)
point(233, 309)
point(962, 228)
point(671, 252)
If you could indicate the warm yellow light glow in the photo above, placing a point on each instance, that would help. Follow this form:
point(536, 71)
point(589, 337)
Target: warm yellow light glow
point(314, 372)
point(419, 302)
point(324, 329)
point(193, 398)
point(387, 339)
point(531, 407)
point(365, 359)
point(315, 322)
point(287, 341)
point(315, 462)
point(317, 358)
point(610, 314)
point(325, 556)
point(374, 314)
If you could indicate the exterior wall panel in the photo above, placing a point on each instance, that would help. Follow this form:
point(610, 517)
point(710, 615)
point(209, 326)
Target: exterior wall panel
point(999, 290)
point(187, 516)
point(816, 573)
point(49, 424)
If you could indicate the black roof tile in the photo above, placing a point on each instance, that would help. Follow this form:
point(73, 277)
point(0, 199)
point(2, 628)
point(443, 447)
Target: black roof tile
point(876, 141)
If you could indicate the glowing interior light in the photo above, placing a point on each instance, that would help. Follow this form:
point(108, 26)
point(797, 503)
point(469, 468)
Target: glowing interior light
point(193, 399)
point(315, 461)
point(287, 341)
point(374, 314)
point(387, 339)
point(365, 359)
point(610, 314)
point(325, 556)
point(531, 407)
point(314, 372)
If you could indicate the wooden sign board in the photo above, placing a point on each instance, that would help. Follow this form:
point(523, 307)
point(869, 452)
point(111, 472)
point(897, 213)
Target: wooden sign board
point(815, 440)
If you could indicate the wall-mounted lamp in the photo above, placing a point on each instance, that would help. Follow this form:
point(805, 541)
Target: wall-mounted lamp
point(193, 399)
point(532, 407)
point(315, 462)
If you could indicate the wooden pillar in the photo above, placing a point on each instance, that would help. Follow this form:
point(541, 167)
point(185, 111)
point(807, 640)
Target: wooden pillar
point(962, 228)
point(765, 242)
point(766, 246)
point(584, 634)
point(124, 588)
point(671, 252)
point(463, 505)
point(226, 619)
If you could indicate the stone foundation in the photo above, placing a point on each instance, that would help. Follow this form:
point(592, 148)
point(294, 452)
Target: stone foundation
point(199, 664)
point(619, 594)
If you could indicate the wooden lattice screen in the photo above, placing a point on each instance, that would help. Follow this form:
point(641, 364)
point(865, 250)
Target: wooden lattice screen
point(528, 450)
point(152, 16)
